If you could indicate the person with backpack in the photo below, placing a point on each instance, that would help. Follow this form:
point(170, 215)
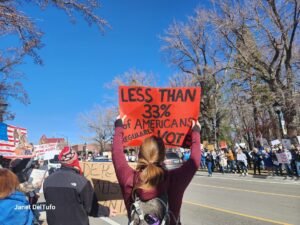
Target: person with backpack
point(152, 194)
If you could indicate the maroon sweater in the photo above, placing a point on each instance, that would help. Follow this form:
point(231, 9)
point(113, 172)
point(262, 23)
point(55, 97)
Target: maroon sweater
point(175, 182)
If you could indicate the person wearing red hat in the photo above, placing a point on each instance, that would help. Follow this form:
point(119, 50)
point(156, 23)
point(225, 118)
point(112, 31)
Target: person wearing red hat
point(70, 195)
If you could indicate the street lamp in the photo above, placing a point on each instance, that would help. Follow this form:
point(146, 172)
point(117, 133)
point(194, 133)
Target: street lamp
point(3, 106)
point(277, 109)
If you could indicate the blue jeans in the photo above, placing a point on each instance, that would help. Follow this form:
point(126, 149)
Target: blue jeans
point(209, 165)
point(203, 164)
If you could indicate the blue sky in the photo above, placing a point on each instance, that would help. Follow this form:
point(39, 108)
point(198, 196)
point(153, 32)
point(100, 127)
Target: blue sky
point(79, 61)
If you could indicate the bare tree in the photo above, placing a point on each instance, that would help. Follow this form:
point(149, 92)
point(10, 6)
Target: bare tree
point(133, 77)
point(18, 26)
point(190, 48)
point(98, 124)
point(269, 53)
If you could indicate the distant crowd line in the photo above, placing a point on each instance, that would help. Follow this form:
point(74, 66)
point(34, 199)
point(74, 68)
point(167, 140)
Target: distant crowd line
point(240, 160)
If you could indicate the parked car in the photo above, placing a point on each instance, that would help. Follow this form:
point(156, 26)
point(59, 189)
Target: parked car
point(53, 163)
point(101, 159)
point(172, 161)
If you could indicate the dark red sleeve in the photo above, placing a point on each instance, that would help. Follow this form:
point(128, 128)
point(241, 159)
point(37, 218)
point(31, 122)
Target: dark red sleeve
point(123, 170)
point(182, 176)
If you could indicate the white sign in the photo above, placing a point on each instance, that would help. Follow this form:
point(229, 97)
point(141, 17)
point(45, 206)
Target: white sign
point(50, 154)
point(37, 176)
point(286, 143)
point(298, 137)
point(240, 145)
point(282, 157)
point(275, 142)
point(40, 150)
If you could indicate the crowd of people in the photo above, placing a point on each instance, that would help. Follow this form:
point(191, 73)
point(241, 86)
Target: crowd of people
point(148, 191)
point(240, 160)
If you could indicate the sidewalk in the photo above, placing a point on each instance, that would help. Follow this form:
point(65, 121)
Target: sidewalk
point(264, 175)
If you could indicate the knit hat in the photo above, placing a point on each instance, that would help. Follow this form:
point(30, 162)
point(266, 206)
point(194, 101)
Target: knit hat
point(68, 157)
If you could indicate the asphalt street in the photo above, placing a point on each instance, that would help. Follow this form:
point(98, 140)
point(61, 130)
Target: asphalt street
point(230, 199)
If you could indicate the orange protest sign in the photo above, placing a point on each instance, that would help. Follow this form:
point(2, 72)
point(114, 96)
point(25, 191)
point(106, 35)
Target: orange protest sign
point(223, 144)
point(164, 112)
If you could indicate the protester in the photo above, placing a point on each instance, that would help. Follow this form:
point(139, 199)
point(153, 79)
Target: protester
point(242, 161)
point(15, 209)
point(70, 194)
point(287, 165)
point(186, 155)
point(257, 158)
point(203, 159)
point(209, 162)
point(222, 161)
point(276, 165)
point(267, 158)
point(150, 181)
point(230, 161)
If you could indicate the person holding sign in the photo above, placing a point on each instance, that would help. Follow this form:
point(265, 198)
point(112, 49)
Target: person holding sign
point(150, 182)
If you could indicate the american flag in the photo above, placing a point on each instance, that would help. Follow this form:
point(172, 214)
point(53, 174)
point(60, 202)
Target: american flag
point(10, 137)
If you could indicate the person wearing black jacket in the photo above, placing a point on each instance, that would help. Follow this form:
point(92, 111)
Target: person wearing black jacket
point(70, 197)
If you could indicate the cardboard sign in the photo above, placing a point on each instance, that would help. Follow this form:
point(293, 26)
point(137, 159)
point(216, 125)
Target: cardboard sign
point(210, 147)
point(164, 112)
point(106, 186)
point(282, 158)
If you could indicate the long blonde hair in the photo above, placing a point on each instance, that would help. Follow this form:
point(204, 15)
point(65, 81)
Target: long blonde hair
point(150, 158)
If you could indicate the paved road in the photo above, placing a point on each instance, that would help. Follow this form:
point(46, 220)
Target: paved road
point(234, 200)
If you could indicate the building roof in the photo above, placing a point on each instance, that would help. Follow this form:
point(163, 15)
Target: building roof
point(45, 140)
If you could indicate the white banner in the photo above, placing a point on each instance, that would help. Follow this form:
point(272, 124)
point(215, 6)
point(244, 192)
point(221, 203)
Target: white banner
point(41, 150)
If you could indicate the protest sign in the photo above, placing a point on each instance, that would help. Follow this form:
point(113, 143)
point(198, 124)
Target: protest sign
point(37, 176)
point(298, 137)
point(45, 150)
point(210, 147)
point(240, 145)
point(106, 186)
point(282, 157)
point(286, 143)
point(165, 112)
point(223, 144)
point(275, 142)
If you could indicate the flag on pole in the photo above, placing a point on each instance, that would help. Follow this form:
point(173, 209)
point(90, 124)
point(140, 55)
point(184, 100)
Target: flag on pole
point(10, 138)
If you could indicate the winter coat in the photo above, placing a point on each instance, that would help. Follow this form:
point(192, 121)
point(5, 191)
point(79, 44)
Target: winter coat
point(174, 184)
point(73, 197)
point(15, 210)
